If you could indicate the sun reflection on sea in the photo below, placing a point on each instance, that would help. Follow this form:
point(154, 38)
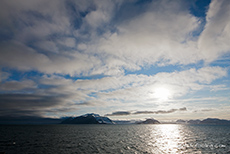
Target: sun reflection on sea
point(170, 138)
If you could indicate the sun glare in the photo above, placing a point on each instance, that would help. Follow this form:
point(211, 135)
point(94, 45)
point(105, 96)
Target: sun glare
point(162, 93)
point(171, 138)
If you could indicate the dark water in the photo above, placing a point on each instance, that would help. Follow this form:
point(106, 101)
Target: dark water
point(162, 138)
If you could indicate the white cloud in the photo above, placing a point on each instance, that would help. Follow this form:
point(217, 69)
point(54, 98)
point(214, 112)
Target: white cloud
point(101, 15)
point(138, 87)
point(141, 90)
point(214, 40)
point(129, 90)
point(153, 37)
point(159, 34)
point(134, 89)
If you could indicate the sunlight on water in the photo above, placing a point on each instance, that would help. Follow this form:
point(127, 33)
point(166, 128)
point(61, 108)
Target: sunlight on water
point(170, 138)
point(103, 139)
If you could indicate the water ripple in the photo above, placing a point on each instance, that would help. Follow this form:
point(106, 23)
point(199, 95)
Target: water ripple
point(157, 139)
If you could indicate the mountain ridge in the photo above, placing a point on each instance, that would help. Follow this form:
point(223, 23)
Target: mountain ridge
point(89, 118)
point(213, 121)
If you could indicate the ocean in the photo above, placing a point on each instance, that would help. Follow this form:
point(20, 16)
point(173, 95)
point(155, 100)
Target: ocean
point(89, 139)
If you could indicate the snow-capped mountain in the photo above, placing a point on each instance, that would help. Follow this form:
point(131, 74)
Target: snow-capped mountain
point(88, 119)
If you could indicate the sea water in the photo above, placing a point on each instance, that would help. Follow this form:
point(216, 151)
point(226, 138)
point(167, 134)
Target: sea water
point(89, 139)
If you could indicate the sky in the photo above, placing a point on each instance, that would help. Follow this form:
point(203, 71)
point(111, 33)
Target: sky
point(125, 59)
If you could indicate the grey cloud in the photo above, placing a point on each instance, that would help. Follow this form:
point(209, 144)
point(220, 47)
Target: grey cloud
point(204, 110)
point(17, 85)
point(86, 103)
point(47, 26)
point(25, 100)
point(119, 113)
point(3, 75)
point(124, 113)
point(47, 46)
point(17, 55)
point(13, 113)
point(161, 111)
point(207, 110)
point(57, 95)
point(182, 109)
point(28, 104)
point(35, 19)
point(67, 42)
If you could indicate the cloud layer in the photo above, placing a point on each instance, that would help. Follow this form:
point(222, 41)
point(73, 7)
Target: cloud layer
point(125, 113)
point(57, 95)
point(59, 57)
point(93, 37)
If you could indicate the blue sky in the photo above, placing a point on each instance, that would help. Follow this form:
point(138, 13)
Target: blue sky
point(145, 58)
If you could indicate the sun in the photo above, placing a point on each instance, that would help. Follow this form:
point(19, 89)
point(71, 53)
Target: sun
point(162, 93)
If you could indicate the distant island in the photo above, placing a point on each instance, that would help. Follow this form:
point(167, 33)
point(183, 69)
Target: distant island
point(92, 118)
point(213, 121)
point(88, 119)
point(149, 121)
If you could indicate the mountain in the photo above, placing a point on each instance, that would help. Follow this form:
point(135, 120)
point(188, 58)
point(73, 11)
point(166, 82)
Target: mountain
point(197, 121)
point(149, 121)
point(215, 121)
point(88, 119)
point(180, 121)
